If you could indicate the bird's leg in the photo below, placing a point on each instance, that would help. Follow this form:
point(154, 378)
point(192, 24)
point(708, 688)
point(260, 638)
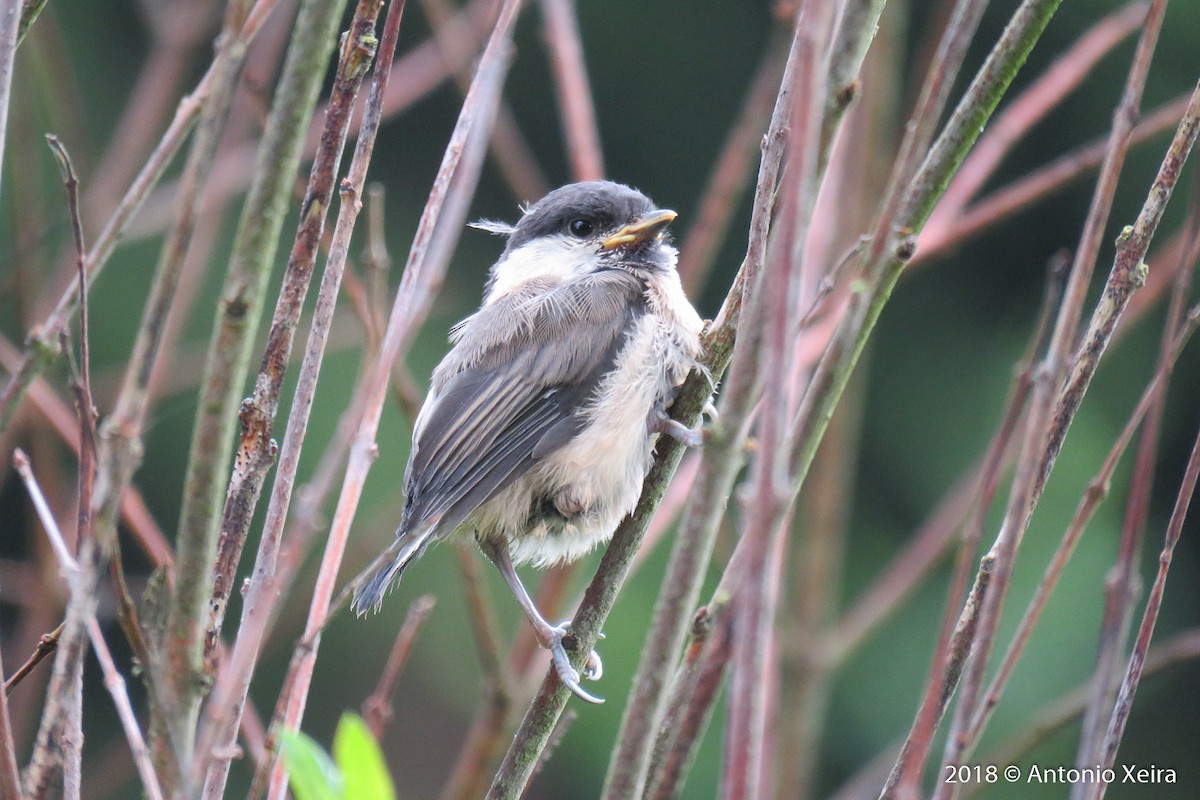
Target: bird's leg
point(548, 636)
point(661, 422)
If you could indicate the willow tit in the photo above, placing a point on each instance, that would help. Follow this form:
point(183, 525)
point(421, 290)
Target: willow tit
point(540, 422)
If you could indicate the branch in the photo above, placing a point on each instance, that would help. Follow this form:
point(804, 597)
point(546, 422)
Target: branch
point(1052, 410)
point(10, 26)
point(10, 779)
point(59, 742)
point(257, 450)
point(766, 505)
point(41, 346)
point(720, 461)
point(1122, 584)
point(377, 708)
point(576, 109)
point(1137, 659)
point(291, 704)
point(240, 306)
point(112, 678)
point(421, 276)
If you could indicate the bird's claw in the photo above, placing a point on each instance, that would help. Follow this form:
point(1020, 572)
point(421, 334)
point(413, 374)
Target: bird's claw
point(593, 668)
point(660, 422)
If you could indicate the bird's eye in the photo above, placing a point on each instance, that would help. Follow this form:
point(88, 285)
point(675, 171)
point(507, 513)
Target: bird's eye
point(580, 228)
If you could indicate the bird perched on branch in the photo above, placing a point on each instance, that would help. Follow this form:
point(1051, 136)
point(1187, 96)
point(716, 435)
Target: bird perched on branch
point(540, 422)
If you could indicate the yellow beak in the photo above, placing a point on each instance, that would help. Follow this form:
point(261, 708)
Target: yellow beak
point(640, 231)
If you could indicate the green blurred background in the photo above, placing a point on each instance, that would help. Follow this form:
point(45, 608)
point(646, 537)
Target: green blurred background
point(668, 79)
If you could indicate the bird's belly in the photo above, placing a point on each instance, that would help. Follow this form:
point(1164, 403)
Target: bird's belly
point(573, 501)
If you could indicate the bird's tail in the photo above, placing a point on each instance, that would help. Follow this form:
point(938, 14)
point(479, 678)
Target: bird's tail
point(384, 571)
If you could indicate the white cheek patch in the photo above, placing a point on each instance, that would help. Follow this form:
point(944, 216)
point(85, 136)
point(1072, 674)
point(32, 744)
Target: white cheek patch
point(546, 257)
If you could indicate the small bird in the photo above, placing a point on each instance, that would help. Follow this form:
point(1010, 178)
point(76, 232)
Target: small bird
point(540, 423)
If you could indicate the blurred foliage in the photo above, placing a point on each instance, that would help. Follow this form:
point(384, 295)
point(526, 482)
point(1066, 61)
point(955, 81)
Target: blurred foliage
point(356, 771)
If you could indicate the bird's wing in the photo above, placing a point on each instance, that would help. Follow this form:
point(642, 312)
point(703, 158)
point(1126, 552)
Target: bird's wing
point(507, 395)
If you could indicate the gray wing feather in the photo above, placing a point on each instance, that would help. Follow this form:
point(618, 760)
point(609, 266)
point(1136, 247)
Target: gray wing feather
point(508, 393)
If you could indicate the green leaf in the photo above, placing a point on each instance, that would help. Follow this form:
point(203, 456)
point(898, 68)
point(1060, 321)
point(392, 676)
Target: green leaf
point(361, 762)
point(312, 773)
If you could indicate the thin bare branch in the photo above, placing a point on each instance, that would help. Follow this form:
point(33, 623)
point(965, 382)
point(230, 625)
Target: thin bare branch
point(10, 25)
point(515, 158)
point(1124, 578)
point(10, 779)
point(1137, 659)
point(1026, 110)
point(228, 356)
point(421, 277)
point(377, 708)
point(766, 502)
point(575, 107)
point(41, 348)
point(1095, 493)
point(58, 747)
point(719, 464)
point(257, 450)
point(112, 678)
point(1053, 408)
point(291, 705)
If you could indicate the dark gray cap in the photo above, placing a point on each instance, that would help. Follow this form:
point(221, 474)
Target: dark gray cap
point(604, 204)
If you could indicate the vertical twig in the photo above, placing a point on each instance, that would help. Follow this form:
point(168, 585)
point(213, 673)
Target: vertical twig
point(720, 461)
point(62, 718)
point(575, 106)
point(766, 502)
point(513, 155)
point(112, 678)
point(257, 450)
point(120, 452)
point(1137, 659)
point(1174, 339)
point(421, 276)
point(1123, 580)
point(292, 701)
point(10, 779)
point(1054, 407)
point(83, 387)
point(10, 24)
point(909, 199)
point(240, 306)
point(377, 708)
point(41, 346)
